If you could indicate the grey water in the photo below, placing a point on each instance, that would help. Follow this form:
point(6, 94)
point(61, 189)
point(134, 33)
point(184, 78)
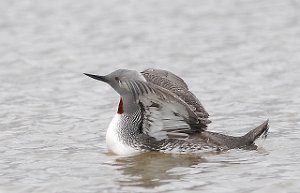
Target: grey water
point(240, 58)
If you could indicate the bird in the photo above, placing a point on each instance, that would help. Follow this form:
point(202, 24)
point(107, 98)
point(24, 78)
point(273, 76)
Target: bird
point(158, 112)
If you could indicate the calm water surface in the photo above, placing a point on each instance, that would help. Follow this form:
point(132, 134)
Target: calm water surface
point(241, 58)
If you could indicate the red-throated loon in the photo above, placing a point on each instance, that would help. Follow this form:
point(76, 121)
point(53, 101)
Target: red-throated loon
point(157, 112)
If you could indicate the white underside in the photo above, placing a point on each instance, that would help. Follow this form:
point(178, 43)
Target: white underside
point(113, 142)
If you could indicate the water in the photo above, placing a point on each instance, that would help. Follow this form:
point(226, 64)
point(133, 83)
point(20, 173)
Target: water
point(241, 58)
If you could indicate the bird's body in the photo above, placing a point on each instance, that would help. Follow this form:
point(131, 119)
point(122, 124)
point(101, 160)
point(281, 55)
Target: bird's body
point(157, 112)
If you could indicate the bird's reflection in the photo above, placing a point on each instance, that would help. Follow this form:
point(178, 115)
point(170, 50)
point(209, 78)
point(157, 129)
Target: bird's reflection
point(154, 169)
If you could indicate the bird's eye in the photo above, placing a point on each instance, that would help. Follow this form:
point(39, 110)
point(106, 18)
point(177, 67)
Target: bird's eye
point(117, 78)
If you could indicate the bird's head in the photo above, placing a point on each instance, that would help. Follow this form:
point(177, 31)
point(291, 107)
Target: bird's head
point(119, 79)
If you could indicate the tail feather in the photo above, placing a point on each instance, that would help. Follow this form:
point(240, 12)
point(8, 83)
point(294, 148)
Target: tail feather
point(261, 130)
point(231, 142)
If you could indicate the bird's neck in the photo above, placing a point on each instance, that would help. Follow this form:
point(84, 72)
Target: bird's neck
point(127, 106)
point(129, 116)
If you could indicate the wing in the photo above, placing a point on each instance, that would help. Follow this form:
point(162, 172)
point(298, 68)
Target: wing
point(177, 86)
point(162, 123)
point(165, 79)
point(164, 114)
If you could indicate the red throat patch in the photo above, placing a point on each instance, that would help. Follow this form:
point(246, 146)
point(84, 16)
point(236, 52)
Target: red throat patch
point(120, 108)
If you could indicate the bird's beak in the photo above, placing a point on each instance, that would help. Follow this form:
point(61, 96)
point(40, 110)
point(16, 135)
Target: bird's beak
point(97, 77)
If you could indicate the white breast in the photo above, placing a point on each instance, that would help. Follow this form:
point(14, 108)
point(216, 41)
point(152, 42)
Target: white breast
point(114, 141)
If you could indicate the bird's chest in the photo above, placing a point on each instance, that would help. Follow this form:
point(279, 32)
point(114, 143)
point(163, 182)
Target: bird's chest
point(115, 138)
